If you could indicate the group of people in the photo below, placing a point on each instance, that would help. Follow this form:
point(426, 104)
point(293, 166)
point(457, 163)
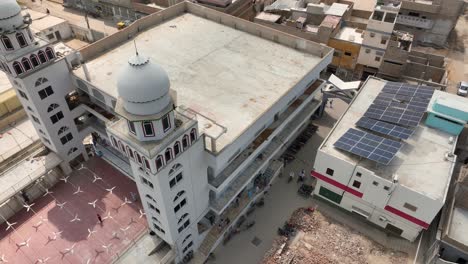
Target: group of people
point(300, 178)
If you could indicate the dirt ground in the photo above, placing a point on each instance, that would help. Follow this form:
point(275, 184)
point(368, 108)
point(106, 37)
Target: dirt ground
point(319, 240)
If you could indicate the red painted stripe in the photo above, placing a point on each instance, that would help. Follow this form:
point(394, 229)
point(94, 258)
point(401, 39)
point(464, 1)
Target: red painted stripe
point(407, 216)
point(336, 184)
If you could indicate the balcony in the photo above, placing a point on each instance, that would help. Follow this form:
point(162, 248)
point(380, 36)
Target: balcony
point(413, 21)
point(427, 6)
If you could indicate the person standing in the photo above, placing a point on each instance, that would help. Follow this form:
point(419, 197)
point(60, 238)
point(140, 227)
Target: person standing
point(291, 176)
point(99, 218)
point(301, 176)
point(331, 103)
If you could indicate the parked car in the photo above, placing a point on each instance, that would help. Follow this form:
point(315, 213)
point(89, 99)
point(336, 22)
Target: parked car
point(462, 88)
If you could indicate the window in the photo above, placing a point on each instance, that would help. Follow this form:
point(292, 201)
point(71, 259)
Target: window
point(50, 53)
point(130, 153)
point(390, 17)
point(357, 184)
point(330, 171)
point(159, 162)
point(151, 198)
point(367, 51)
point(386, 188)
point(131, 127)
point(44, 93)
point(168, 155)
point(186, 238)
point(182, 227)
point(35, 119)
point(34, 60)
point(375, 183)
point(138, 158)
point(166, 122)
point(187, 247)
point(26, 64)
point(7, 43)
point(148, 183)
point(62, 130)
point(114, 142)
point(384, 40)
point(372, 34)
point(377, 58)
point(413, 14)
point(182, 218)
point(40, 81)
point(153, 207)
point(21, 40)
point(175, 180)
point(55, 118)
point(22, 94)
point(30, 109)
point(178, 195)
point(148, 128)
point(180, 205)
point(42, 56)
point(177, 149)
point(17, 67)
point(378, 15)
point(72, 150)
point(155, 219)
point(185, 142)
point(147, 164)
point(337, 53)
point(175, 168)
point(193, 135)
point(410, 207)
point(52, 107)
point(122, 147)
point(158, 228)
point(347, 53)
point(65, 139)
point(358, 174)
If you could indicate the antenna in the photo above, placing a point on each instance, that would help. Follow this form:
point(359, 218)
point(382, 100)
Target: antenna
point(136, 49)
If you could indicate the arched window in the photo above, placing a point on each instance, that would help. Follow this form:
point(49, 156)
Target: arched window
point(182, 218)
point(168, 155)
point(193, 135)
point(159, 162)
point(114, 142)
point(40, 81)
point(122, 147)
point(178, 195)
point(72, 150)
point(17, 67)
point(50, 53)
point(185, 142)
point(52, 107)
point(42, 56)
point(175, 168)
point(62, 129)
point(155, 219)
point(7, 43)
point(147, 164)
point(26, 64)
point(177, 149)
point(186, 238)
point(151, 198)
point(130, 152)
point(21, 40)
point(139, 160)
point(34, 60)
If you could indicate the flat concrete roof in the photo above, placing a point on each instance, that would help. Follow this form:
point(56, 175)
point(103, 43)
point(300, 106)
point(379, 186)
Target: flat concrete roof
point(420, 164)
point(350, 34)
point(5, 84)
point(43, 21)
point(458, 226)
point(226, 74)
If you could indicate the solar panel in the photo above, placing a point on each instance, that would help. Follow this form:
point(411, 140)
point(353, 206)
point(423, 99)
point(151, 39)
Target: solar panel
point(385, 128)
point(368, 146)
point(405, 117)
point(402, 101)
point(408, 90)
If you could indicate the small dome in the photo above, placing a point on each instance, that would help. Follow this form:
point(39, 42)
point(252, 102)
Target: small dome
point(143, 86)
point(9, 8)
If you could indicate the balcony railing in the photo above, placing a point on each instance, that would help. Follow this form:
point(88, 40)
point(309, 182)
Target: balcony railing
point(414, 21)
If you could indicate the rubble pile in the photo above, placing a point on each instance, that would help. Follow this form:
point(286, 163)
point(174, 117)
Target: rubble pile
point(322, 242)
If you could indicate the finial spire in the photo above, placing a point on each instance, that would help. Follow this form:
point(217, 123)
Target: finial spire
point(136, 50)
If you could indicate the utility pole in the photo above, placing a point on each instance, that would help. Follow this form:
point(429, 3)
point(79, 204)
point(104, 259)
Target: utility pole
point(87, 20)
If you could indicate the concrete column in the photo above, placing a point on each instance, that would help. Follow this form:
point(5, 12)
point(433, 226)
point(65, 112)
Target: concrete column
point(65, 166)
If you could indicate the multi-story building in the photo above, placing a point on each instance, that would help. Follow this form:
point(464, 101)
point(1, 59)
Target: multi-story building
point(379, 163)
point(198, 105)
point(430, 21)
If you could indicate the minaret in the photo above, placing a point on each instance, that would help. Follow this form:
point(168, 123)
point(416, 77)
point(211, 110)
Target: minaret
point(41, 80)
point(165, 152)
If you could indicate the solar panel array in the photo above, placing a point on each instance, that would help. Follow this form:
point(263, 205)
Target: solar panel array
point(395, 111)
point(368, 146)
point(385, 128)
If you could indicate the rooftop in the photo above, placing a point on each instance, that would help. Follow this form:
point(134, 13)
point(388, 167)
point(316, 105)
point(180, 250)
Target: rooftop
point(5, 84)
point(43, 21)
point(425, 146)
point(350, 34)
point(215, 69)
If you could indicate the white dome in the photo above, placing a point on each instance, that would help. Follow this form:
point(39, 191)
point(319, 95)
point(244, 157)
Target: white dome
point(9, 8)
point(143, 86)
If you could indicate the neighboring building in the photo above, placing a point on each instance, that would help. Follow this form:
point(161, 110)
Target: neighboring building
point(10, 106)
point(347, 44)
point(381, 164)
point(169, 110)
point(50, 27)
point(118, 9)
point(430, 21)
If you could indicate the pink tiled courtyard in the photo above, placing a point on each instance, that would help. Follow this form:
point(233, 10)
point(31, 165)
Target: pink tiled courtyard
point(63, 227)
